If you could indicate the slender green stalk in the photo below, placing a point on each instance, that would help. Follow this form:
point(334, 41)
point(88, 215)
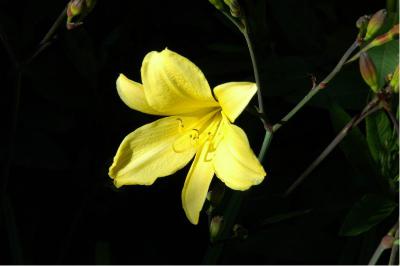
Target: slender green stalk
point(60, 19)
point(8, 49)
point(231, 212)
point(377, 254)
point(256, 75)
point(394, 121)
point(245, 30)
point(383, 245)
point(391, 5)
point(317, 88)
point(395, 248)
point(46, 41)
point(370, 108)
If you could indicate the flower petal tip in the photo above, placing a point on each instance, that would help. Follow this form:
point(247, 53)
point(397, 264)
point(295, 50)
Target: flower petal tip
point(192, 217)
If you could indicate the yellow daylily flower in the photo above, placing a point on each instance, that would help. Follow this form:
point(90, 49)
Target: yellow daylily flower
point(197, 126)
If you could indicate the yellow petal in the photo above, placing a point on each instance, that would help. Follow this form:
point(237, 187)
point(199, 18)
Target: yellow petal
point(234, 97)
point(196, 184)
point(174, 85)
point(148, 153)
point(234, 162)
point(132, 94)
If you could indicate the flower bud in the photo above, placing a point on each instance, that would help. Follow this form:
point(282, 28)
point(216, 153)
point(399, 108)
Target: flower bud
point(234, 7)
point(77, 10)
point(368, 71)
point(217, 3)
point(215, 227)
point(384, 38)
point(375, 23)
point(394, 81)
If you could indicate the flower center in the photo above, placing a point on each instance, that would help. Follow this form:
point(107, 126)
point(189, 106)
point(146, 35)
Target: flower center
point(194, 135)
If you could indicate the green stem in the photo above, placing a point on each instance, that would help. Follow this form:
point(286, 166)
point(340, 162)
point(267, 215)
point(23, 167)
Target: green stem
point(55, 26)
point(383, 246)
point(370, 108)
point(255, 70)
point(231, 212)
point(317, 88)
point(8, 49)
point(233, 206)
point(391, 5)
point(261, 110)
point(394, 121)
point(45, 42)
point(395, 248)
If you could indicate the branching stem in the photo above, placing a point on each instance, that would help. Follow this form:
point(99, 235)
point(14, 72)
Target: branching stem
point(317, 88)
point(370, 108)
point(383, 245)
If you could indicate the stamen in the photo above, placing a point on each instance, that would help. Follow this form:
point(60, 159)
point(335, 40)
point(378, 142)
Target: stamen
point(181, 125)
point(187, 140)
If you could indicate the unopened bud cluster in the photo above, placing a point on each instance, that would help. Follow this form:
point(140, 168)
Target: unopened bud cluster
point(232, 5)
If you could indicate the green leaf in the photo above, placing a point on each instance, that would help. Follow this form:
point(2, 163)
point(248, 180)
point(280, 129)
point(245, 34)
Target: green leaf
point(383, 144)
point(366, 213)
point(379, 133)
point(385, 58)
point(354, 145)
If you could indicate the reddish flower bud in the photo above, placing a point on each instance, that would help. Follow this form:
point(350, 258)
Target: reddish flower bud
point(77, 10)
point(384, 38)
point(368, 71)
point(375, 23)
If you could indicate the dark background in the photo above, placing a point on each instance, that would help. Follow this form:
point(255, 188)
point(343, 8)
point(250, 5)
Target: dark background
point(60, 206)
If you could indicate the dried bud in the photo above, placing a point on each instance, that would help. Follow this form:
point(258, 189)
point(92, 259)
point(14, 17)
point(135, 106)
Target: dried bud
point(361, 24)
point(375, 23)
point(215, 227)
point(368, 71)
point(387, 241)
point(384, 38)
point(77, 10)
point(394, 81)
point(234, 7)
point(240, 232)
point(217, 3)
